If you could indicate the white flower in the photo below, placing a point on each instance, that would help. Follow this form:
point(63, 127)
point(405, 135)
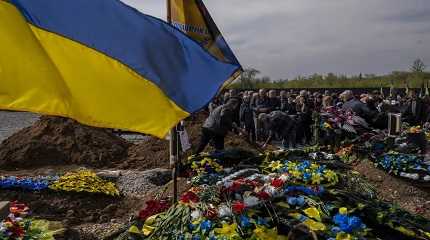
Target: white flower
point(251, 201)
point(284, 177)
point(224, 211)
point(427, 178)
point(228, 184)
point(413, 176)
point(196, 214)
point(272, 191)
point(267, 178)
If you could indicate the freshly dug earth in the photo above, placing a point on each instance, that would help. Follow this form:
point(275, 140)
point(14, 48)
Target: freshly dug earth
point(154, 153)
point(414, 199)
point(61, 141)
point(71, 209)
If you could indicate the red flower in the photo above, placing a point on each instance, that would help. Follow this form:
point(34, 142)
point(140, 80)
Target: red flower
point(238, 207)
point(153, 207)
point(277, 183)
point(262, 195)
point(189, 197)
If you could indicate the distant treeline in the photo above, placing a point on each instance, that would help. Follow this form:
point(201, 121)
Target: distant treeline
point(250, 80)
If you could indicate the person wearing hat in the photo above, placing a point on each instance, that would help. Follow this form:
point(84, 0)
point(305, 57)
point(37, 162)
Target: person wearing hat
point(218, 124)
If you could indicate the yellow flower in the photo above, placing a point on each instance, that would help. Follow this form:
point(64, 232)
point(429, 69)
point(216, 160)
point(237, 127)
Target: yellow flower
point(134, 229)
point(343, 210)
point(316, 178)
point(276, 165)
point(331, 176)
point(312, 212)
point(314, 225)
point(343, 236)
point(147, 230)
point(262, 233)
point(227, 230)
point(296, 174)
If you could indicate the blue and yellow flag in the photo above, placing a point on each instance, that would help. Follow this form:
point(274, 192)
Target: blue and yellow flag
point(104, 64)
point(193, 18)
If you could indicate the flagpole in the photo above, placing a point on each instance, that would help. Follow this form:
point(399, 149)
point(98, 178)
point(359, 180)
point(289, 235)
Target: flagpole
point(173, 141)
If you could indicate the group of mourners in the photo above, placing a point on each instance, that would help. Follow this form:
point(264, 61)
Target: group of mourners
point(288, 115)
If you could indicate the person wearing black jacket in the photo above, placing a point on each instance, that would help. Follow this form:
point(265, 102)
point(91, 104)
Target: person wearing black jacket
point(284, 126)
point(415, 109)
point(217, 125)
point(246, 116)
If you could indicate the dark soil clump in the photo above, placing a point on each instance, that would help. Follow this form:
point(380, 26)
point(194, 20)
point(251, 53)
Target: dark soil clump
point(61, 141)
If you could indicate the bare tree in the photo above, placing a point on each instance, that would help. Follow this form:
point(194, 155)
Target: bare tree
point(418, 66)
point(248, 77)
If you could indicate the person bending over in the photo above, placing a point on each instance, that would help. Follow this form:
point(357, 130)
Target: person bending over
point(280, 123)
point(217, 125)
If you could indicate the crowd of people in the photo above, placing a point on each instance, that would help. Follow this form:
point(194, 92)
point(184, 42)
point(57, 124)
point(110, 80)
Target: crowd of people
point(289, 115)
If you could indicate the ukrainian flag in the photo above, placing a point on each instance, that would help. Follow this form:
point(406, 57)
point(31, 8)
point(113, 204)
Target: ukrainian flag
point(193, 18)
point(104, 64)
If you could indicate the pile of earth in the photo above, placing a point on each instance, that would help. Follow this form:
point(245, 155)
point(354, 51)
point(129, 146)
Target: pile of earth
point(56, 141)
point(154, 153)
point(60, 141)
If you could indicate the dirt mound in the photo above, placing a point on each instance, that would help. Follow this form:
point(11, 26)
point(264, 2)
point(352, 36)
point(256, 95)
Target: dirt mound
point(59, 141)
point(389, 188)
point(154, 153)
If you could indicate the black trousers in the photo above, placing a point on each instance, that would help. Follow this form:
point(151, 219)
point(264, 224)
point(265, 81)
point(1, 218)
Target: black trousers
point(208, 136)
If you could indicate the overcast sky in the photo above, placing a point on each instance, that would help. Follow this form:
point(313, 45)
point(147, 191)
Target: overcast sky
point(287, 38)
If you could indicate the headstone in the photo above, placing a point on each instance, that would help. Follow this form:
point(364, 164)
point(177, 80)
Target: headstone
point(394, 124)
point(4, 209)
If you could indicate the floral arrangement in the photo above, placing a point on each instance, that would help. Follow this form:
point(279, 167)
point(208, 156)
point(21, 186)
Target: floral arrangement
point(346, 154)
point(405, 165)
point(26, 183)
point(303, 172)
point(206, 165)
point(415, 129)
point(287, 199)
point(84, 181)
point(18, 226)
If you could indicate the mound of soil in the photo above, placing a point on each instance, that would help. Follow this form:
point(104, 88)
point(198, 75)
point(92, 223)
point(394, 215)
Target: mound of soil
point(414, 199)
point(59, 141)
point(71, 209)
point(154, 153)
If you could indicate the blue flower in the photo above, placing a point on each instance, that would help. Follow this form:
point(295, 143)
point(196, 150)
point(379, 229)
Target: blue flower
point(191, 227)
point(355, 222)
point(307, 177)
point(321, 169)
point(206, 226)
point(296, 201)
point(244, 221)
point(196, 237)
point(348, 224)
point(335, 230)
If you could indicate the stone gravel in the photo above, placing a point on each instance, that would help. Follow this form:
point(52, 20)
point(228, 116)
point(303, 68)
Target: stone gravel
point(140, 183)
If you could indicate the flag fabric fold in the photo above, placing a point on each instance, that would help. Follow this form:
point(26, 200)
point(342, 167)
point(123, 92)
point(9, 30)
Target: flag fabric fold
point(104, 64)
point(193, 18)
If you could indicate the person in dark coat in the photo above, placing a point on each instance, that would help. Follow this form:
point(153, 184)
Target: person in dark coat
point(415, 109)
point(354, 105)
point(279, 123)
point(247, 118)
point(289, 106)
point(217, 125)
point(305, 119)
